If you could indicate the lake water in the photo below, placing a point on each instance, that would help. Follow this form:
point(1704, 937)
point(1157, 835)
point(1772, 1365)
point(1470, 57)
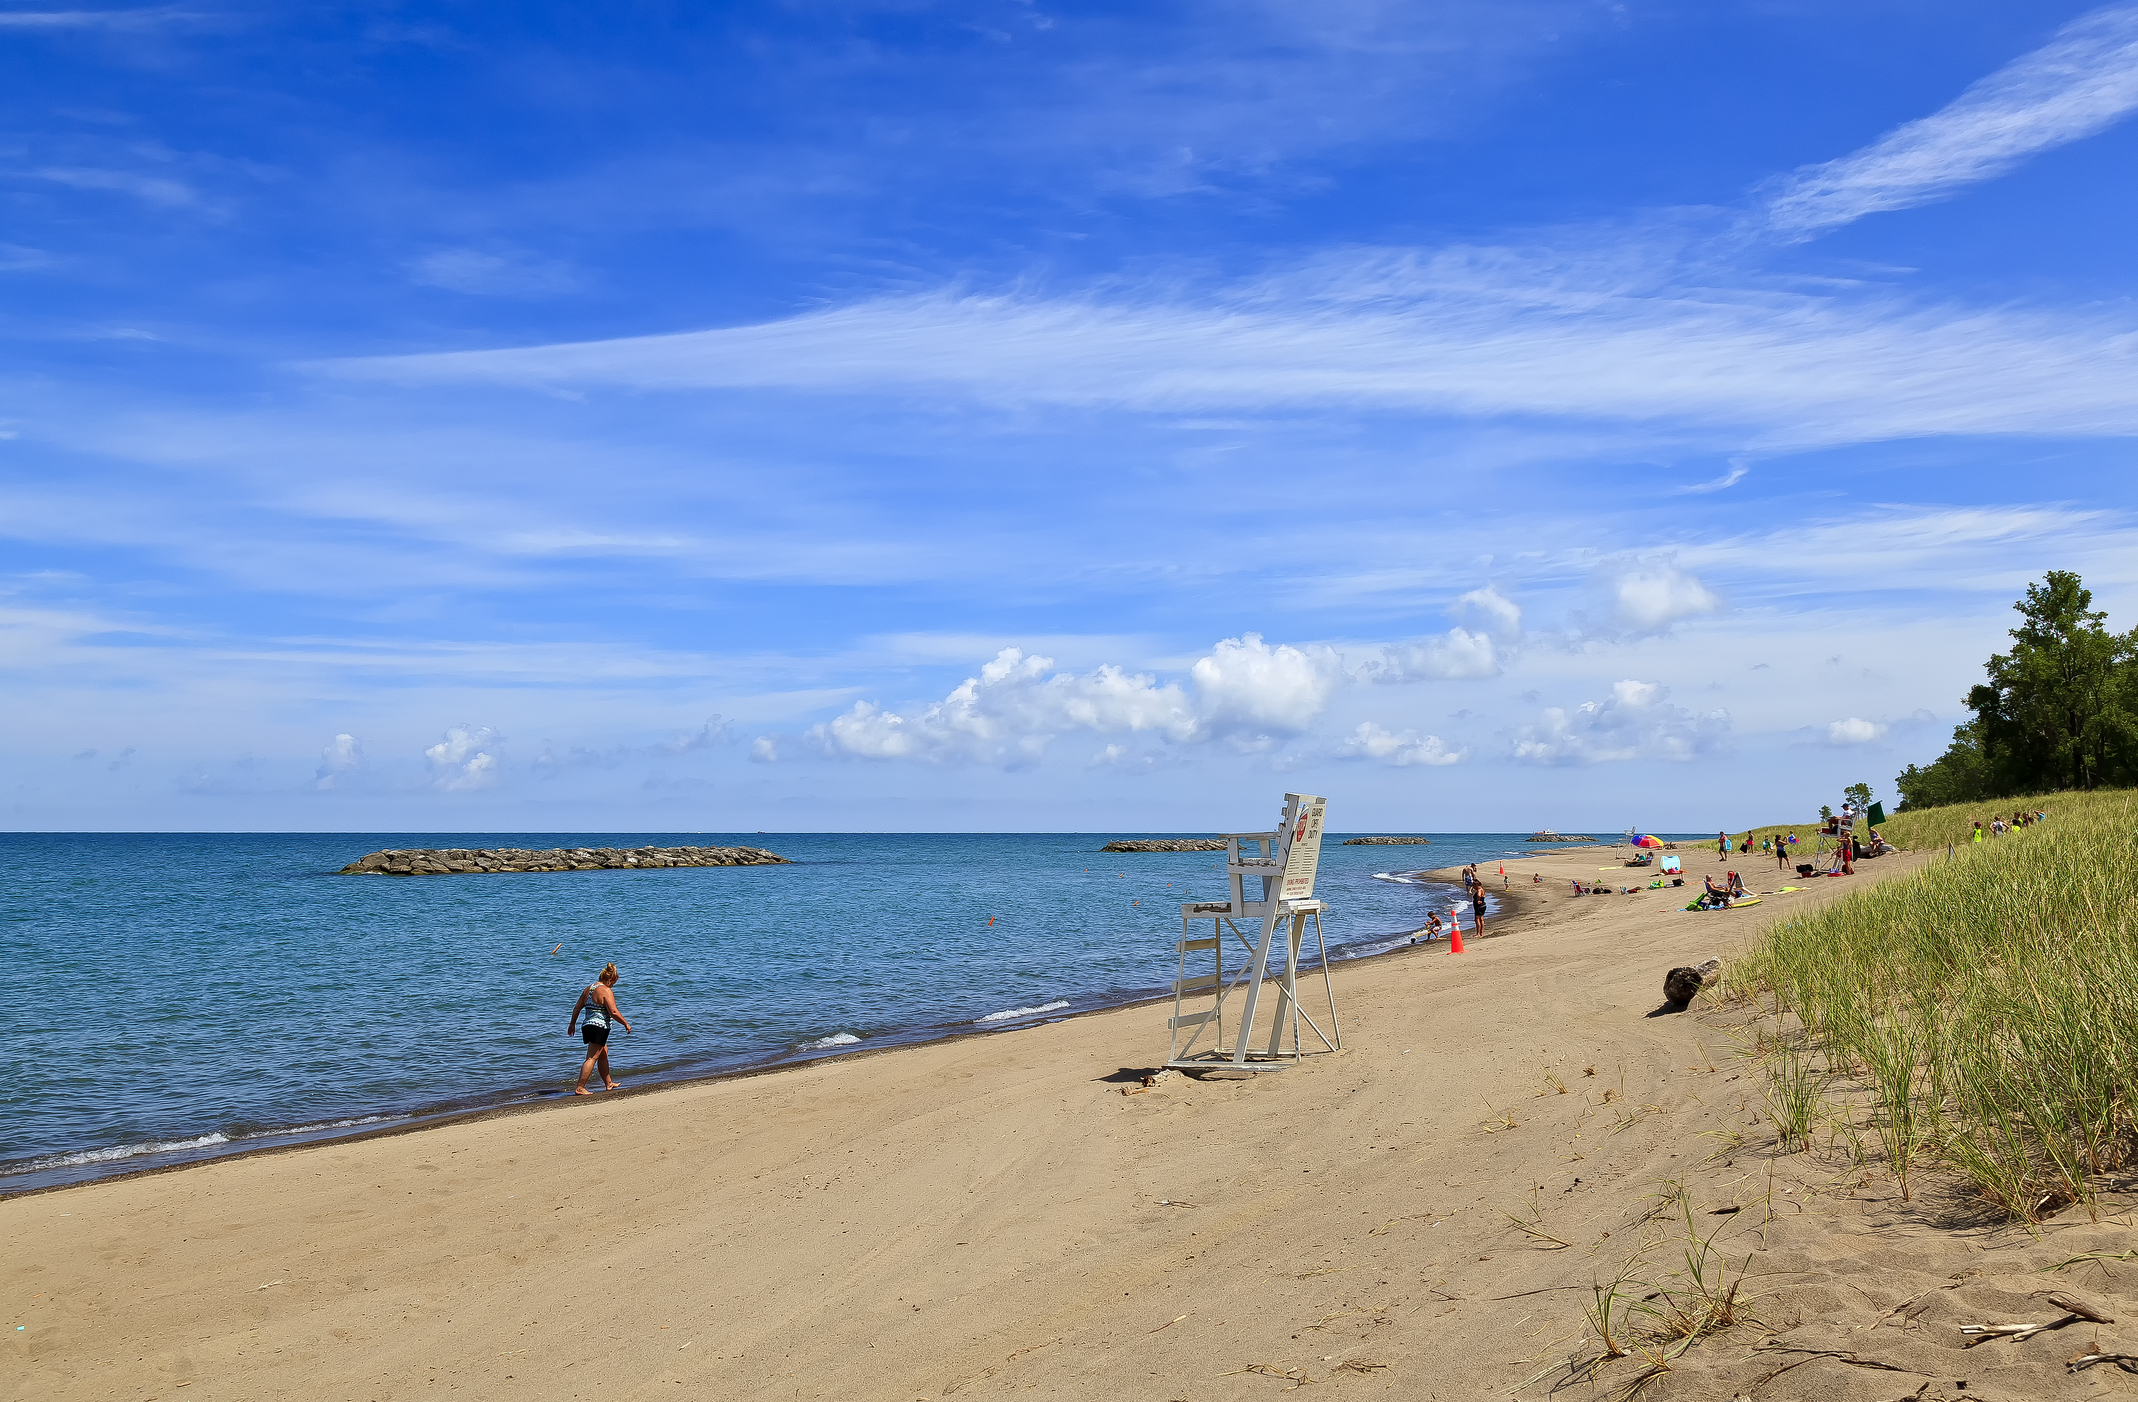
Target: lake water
point(193, 994)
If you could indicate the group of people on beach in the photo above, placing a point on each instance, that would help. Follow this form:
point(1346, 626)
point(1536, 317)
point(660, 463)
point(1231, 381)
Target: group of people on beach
point(1998, 827)
point(1473, 886)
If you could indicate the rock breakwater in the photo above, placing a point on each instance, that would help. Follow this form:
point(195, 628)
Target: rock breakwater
point(449, 861)
point(1166, 844)
point(1388, 842)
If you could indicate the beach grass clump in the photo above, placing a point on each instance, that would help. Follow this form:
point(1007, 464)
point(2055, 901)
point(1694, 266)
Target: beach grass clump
point(1795, 1093)
point(1990, 1003)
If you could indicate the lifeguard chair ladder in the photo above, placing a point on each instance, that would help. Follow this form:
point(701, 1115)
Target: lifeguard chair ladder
point(1250, 856)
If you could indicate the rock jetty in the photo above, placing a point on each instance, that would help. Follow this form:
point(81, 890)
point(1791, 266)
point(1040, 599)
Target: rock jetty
point(1166, 844)
point(1388, 842)
point(1547, 835)
point(449, 860)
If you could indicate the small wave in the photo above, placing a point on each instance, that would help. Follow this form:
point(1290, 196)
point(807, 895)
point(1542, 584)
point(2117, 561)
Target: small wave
point(1008, 1014)
point(179, 1146)
point(121, 1151)
point(836, 1039)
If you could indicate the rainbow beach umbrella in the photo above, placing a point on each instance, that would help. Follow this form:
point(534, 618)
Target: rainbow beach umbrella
point(1647, 840)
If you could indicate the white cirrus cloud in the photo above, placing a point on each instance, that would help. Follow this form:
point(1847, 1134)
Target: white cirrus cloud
point(149, 189)
point(1635, 722)
point(1663, 325)
point(2082, 81)
point(1854, 731)
point(96, 19)
point(1401, 748)
point(465, 759)
point(492, 272)
point(1775, 367)
point(1727, 480)
point(343, 756)
point(1656, 594)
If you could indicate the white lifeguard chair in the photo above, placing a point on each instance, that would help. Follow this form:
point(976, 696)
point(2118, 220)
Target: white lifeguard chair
point(1283, 861)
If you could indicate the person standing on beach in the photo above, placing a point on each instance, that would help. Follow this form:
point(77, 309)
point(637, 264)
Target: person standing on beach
point(598, 1001)
point(1722, 846)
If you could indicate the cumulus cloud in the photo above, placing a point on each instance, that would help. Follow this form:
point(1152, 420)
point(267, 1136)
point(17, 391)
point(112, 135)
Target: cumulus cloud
point(465, 759)
point(1854, 731)
point(1454, 654)
point(343, 756)
point(764, 750)
point(1246, 691)
point(1246, 684)
point(1401, 748)
point(1654, 595)
point(2083, 80)
point(1010, 712)
point(1635, 722)
point(1489, 611)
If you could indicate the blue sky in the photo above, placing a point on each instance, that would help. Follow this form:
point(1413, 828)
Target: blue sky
point(1004, 415)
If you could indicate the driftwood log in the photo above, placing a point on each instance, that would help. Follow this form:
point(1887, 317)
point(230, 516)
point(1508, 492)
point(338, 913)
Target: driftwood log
point(1681, 984)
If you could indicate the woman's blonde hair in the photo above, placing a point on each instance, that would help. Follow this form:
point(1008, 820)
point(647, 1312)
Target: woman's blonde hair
point(609, 974)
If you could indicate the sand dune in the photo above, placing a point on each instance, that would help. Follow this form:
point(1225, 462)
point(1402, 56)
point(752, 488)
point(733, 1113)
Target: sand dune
point(993, 1216)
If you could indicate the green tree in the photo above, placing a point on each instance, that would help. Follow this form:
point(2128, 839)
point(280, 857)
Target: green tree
point(2059, 711)
point(1858, 794)
point(1957, 776)
point(2054, 712)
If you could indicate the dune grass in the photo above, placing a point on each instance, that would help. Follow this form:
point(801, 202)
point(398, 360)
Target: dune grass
point(1990, 1002)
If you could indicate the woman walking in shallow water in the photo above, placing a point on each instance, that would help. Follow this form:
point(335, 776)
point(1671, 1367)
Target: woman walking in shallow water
point(598, 1001)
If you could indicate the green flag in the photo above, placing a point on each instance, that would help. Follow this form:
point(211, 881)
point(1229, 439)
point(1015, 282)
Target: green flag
point(1878, 815)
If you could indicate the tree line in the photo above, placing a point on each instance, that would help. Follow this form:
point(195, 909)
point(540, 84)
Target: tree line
point(2059, 711)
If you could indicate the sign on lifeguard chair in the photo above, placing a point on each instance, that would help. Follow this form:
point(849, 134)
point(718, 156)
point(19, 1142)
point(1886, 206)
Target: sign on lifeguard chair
point(1283, 862)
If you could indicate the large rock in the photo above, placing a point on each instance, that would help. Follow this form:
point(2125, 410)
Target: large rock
point(1166, 844)
point(444, 862)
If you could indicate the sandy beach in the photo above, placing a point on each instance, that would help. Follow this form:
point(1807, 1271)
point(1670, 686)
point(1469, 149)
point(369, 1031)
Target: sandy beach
point(994, 1216)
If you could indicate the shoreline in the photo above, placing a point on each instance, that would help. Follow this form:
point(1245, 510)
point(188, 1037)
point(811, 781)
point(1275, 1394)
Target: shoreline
point(527, 1102)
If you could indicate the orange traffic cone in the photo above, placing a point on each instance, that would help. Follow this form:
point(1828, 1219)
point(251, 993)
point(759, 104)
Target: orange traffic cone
point(1454, 934)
